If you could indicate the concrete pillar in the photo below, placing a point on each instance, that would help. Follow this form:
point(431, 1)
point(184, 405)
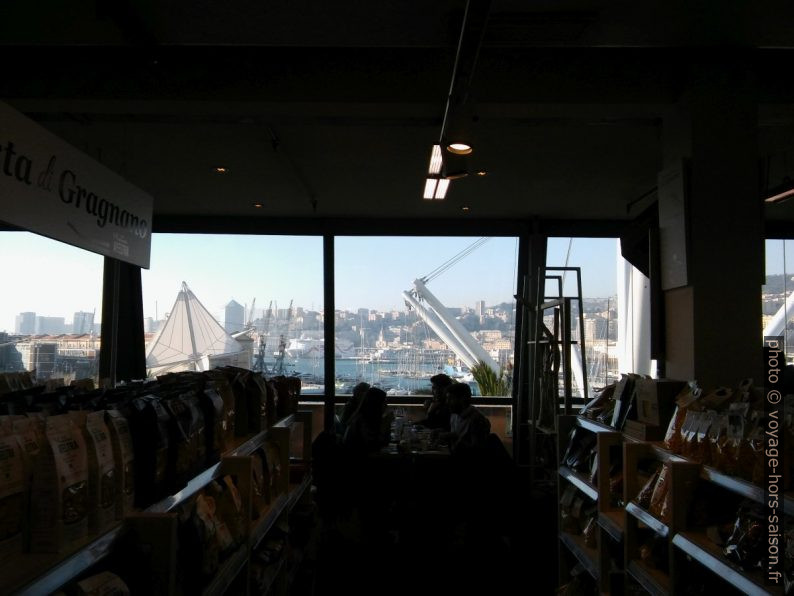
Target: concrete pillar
point(713, 319)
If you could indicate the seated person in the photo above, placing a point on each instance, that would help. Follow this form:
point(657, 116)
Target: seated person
point(438, 384)
point(469, 429)
point(351, 407)
point(438, 412)
point(369, 428)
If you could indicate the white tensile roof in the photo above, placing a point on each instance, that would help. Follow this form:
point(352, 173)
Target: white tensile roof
point(188, 337)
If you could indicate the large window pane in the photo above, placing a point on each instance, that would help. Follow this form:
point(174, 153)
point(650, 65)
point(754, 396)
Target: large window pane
point(213, 300)
point(50, 307)
point(777, 304)
point(469, 285)
point(598, 260)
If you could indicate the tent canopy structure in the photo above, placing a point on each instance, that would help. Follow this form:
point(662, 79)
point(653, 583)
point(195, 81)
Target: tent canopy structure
point(188, 338)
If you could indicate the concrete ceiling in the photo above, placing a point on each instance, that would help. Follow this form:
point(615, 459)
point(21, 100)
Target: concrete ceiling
point(330, 109)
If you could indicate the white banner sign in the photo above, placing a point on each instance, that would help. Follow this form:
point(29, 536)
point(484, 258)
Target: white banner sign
point(49, 187)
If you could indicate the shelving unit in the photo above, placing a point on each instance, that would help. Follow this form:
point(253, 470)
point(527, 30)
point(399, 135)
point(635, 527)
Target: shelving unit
point(609, 521)
point(156, 526)
point(702, 550)
point(621, 525)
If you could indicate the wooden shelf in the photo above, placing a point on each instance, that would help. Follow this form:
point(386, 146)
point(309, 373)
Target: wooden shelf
point(587, 556)
point(228, 571)
point(653, 580)
point(594, 426)
point(579, 482)
point(16, 572)
point(613, 523)
point(658, 526)
point(708, 554)
point(267, 519)
point(273, 573)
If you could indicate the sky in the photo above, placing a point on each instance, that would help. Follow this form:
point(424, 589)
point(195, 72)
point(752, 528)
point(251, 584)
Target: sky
point(54, 279)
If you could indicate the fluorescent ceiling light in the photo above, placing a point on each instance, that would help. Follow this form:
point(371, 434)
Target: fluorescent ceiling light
point(430, 188)
point(780, 196)
point(441, 191)
point(435, 161)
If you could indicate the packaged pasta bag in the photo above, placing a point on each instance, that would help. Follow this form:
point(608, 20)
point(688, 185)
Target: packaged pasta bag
point(101, 469)
point(717, 400)
point(717, 441)
point(124, 458)
point(688, 396)
point(702, 450)
point(59, 512)
point(748, 454)
point(689, 432)
point(660, 491)
point(229, 507)
point(646, 492)
point(589, 533)
point(757, 442)
point(14, 490)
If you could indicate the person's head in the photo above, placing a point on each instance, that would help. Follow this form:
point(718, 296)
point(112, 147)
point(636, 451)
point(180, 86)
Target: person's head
point(458, 397)
point(439, 384)
point(359, 391)
point(374, 404)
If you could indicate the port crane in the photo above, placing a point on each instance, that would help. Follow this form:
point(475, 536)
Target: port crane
point(278, 365)
point(259, 365)
point(440, 320)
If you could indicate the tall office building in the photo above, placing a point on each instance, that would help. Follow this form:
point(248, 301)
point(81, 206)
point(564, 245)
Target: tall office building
point(234, 317)
point(25, 323)
point(83, 322)
point(479, 308)
point(50, 325)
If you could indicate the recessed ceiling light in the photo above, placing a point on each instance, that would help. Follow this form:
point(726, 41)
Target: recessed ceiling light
point(481, 173)
point(258, 205)
point(459, 148)
point(220, 170)
point(464, 208)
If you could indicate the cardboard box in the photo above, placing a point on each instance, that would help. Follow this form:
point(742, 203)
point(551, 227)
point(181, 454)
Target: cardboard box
point(643, 431)
point(656, 400)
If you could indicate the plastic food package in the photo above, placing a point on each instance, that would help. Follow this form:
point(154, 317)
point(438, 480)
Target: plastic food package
point(688, 396)
point(745, 546)
point(660, 491)
point(590, 533)
point(597, 405)
point(646, 492)
point(702, 448)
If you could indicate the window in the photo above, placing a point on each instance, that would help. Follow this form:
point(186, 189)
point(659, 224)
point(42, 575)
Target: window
point(598, 260)
point(461, 310)
point(50, 309)
point(776, 317)
point(215, 300)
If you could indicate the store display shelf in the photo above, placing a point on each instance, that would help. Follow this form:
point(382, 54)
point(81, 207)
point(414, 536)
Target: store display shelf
point(61, 572)
point(613, 523)
point(273, 572)
point(733, 484)
point(708, 554)
point(587, 556)
point(594, 426)
point(654, 581)
point(579, 482)
point(284, 502)
point(269, 517)
point(297, 491)
point(649, 520)
point(228, 572)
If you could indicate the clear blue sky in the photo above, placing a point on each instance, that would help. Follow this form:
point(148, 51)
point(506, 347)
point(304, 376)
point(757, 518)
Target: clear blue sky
point(54, 279)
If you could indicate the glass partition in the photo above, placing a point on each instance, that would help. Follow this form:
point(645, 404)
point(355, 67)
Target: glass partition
point(411, 307)
point(249, 301)
point(50, 307)
point(776, 298)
